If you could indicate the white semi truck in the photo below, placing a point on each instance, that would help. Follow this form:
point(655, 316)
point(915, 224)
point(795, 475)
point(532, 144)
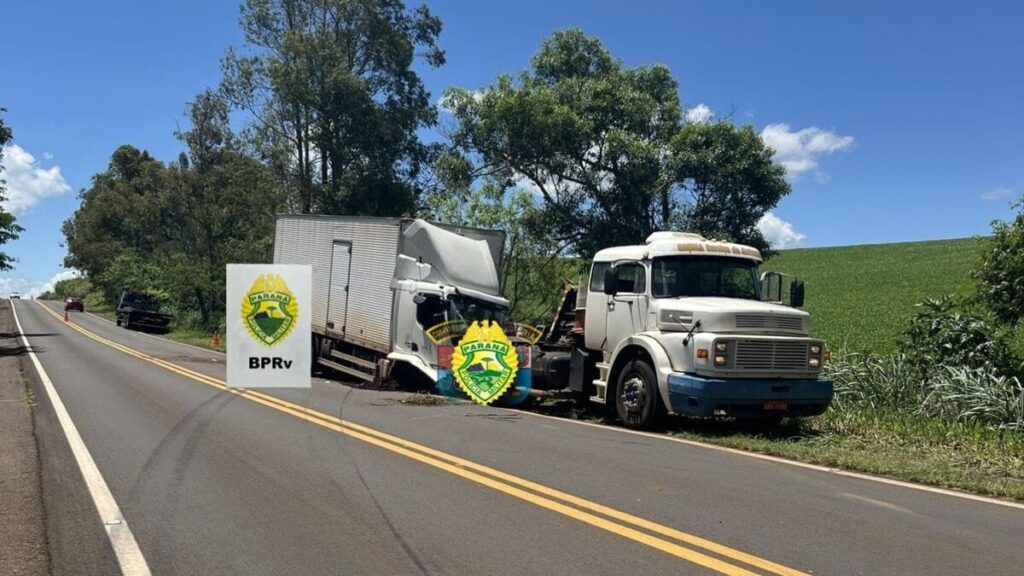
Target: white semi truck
point(686, 325)
point(379, 283)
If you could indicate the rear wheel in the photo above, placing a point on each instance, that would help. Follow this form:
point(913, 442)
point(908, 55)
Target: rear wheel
point(636, 396)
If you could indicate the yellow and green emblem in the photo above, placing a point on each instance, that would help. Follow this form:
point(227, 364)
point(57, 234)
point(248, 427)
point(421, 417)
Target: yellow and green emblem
point(269, 309)
point(485, 362)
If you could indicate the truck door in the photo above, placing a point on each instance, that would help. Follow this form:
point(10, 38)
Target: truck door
point(628, 307)
point(597, 307)
point(337, 296)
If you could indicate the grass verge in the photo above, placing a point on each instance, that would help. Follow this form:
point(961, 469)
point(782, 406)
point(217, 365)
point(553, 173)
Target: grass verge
point(904, 447)
point(960, 456)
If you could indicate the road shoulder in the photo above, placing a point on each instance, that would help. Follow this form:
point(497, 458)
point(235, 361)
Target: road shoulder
point(23, 525)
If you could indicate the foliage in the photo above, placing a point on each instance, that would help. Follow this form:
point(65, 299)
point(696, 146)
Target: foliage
point(604, 148)
point(335, 100)
point(945, 332)
point(948, 392)
point(171, 229)
point(861, 297)
point(1000, 273)
point(63, 289)
point(9, 229)
point(730, 178)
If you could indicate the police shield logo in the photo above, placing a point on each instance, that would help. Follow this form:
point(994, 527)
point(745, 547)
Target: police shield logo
point(269, 309)
point(485, 362)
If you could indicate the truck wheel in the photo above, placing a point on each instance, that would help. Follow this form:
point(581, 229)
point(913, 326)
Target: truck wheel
point(118, 318)
point(636, 396)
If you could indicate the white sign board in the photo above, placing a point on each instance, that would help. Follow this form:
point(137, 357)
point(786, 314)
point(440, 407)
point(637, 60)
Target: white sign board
point(268, 328)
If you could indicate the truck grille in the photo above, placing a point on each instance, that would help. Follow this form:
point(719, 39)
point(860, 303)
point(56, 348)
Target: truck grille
point(769, 321)
point(771, 355)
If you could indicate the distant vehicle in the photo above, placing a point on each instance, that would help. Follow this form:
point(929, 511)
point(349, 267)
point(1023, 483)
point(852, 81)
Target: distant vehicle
point(138, 310)
point(15, 296)
point(74, 303)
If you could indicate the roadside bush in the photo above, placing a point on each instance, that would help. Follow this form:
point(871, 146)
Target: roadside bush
point(1000, 274)
point(945, 332)
point(979, 395)
point(950, 393)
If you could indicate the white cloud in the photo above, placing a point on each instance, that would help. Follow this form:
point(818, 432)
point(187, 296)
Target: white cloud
point(779, 233)
point(444, 101)
point(799, 150)
point(995, 194)
point(33, 288)
point(699, 113)
point(27, 181)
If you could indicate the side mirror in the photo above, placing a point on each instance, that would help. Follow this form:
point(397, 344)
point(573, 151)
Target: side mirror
point(611, 281)
point(796, 293)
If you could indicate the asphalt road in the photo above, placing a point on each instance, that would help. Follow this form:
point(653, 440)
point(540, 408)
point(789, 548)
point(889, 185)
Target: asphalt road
point(338, 480)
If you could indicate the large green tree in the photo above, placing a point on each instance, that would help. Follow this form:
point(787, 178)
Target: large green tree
point(9, 228)
point(220, 208)
point(726, 179)
point(119, 218)
point(335, 99)
point(605, 150)
point(171, 229)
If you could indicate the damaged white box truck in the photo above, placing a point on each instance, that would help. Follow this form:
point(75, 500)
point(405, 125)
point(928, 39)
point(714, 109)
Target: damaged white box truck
point(379, 283)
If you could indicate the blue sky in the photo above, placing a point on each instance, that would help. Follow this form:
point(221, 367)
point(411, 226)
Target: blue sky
point(898, 122)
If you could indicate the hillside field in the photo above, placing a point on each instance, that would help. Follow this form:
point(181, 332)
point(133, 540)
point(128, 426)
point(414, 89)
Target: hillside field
point(860, 297)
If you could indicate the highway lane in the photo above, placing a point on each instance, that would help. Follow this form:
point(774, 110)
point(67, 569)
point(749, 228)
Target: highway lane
point(213, 482)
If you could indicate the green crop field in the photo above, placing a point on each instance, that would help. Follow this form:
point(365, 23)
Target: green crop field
point(860, 297)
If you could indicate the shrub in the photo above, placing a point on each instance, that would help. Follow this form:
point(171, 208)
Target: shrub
point(945, 332)
point(950, 393)
point(979, 395)
point(1000, 274)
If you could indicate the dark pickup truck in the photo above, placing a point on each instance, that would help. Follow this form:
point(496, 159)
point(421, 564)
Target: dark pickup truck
point(138, 310)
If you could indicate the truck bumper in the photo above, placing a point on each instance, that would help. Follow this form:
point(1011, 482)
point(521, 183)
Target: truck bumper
point(697, 396)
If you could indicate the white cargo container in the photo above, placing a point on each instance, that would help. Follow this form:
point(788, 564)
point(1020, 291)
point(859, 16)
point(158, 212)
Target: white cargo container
point(377, 281)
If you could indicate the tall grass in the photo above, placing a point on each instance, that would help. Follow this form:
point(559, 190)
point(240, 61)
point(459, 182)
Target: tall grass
point(950, 393)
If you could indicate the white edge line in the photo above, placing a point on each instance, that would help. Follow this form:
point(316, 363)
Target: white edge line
point(129, 556)
point(780, 460)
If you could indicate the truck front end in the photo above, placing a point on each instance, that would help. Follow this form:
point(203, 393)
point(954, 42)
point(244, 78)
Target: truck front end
point(732, 353)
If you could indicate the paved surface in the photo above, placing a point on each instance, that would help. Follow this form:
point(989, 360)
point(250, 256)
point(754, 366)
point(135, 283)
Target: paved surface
point(338, 480)
point(23, 548)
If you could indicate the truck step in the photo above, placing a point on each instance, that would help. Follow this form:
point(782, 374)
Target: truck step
point(354, 359)
point(346, 369)
point(601, 392)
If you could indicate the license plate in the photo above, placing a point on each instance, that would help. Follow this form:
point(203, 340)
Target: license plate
point(776, 405)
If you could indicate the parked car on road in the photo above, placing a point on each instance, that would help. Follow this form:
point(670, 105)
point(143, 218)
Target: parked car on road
point(15, 296)
point(138, 310)
point(74, 303)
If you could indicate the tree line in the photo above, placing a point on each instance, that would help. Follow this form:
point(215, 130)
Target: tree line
point(575, 152)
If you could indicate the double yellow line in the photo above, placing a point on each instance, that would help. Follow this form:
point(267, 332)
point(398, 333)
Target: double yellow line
point(669, 540)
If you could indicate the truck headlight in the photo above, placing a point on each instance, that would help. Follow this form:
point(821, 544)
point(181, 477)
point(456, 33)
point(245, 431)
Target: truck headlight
point(815, 349)
point(721, 346)
point(721, 360)
point(814, 362)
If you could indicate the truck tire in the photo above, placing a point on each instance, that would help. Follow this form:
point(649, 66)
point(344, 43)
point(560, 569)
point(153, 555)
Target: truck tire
point(637, 401)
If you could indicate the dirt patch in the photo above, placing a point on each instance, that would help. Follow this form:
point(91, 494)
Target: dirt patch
point(22, 521)
point(424, 399)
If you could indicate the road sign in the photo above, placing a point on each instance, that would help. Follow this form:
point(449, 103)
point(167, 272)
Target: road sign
point(268, 325)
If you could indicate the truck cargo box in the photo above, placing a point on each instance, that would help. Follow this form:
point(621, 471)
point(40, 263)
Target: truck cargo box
point(354, 263)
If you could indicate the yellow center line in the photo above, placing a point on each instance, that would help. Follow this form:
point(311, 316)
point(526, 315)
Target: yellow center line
point(538, 494)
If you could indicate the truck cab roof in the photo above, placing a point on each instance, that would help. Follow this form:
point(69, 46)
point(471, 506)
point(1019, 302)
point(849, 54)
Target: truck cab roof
point(677, 244)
